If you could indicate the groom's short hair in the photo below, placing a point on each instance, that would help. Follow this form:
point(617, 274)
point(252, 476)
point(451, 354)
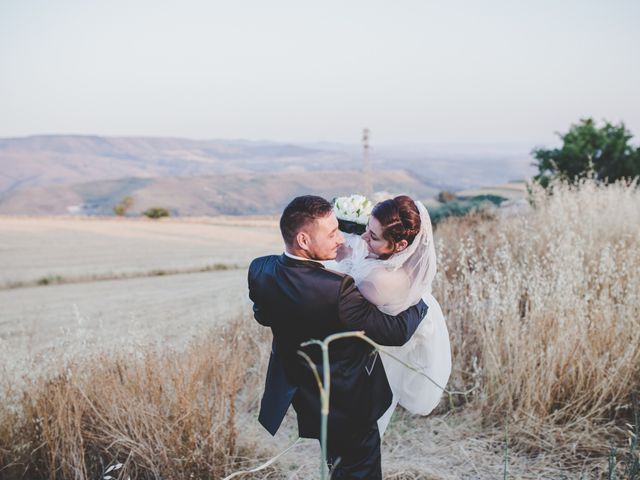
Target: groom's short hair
point(300, 212)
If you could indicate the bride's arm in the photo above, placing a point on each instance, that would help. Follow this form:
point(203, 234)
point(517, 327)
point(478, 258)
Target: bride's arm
point(382, 287)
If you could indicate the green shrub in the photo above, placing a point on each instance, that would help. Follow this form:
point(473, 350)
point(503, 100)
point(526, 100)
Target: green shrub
point(493, 199)
point(156, 212)
point(121, 208)
point(461, 207)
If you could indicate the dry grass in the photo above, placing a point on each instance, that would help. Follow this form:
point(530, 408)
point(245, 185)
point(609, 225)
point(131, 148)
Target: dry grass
point(162, 413)
point(544, 311)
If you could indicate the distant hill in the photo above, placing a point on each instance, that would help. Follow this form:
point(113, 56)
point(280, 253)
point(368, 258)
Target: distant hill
point(65, 159)
point(57, 174)
point(233, 194)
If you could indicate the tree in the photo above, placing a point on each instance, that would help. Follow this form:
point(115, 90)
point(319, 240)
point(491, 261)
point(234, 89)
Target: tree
point(586, 148)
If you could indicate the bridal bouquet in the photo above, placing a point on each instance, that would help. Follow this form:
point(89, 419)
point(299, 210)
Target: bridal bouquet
point(353, 213)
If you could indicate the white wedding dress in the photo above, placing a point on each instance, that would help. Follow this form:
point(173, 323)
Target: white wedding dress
point(393, 285)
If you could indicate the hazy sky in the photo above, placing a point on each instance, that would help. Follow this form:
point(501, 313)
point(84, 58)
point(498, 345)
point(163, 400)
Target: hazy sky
point(411, 71)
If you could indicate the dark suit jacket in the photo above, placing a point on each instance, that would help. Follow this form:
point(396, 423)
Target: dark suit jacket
point(301, 300)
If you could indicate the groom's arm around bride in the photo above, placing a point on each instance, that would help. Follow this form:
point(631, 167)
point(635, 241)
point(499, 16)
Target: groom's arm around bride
point(299, 300)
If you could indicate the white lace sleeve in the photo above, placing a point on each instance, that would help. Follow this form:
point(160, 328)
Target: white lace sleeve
point(383, 287)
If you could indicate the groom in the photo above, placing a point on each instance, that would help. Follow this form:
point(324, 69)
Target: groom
point(301, 300)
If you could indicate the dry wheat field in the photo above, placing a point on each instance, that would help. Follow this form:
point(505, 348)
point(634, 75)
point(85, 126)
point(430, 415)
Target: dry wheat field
point(130, 342)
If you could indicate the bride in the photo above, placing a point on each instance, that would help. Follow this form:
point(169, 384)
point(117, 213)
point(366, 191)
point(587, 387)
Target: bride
point(393, 264)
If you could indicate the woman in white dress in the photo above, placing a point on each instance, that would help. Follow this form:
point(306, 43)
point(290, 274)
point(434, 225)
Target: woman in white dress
point(393, 264)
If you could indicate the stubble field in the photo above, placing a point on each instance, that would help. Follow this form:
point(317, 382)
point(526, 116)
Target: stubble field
point(80, 282)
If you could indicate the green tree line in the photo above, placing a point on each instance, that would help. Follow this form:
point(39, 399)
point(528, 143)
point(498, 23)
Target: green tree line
point(605, 152)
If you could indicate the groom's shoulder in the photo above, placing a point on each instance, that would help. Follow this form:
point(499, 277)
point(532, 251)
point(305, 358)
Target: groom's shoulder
point(260, 263)
point(264, 259)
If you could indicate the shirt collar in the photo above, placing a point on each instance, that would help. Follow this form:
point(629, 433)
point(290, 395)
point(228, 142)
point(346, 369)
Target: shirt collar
point(295, 257)
point(307, 261)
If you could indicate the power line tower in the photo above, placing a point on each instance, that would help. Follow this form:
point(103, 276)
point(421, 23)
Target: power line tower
point(366, 165)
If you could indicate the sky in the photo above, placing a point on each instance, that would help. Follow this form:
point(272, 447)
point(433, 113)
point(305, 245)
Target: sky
point(299, 71)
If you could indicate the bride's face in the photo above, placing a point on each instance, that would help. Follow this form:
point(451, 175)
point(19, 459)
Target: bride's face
point(376, 243)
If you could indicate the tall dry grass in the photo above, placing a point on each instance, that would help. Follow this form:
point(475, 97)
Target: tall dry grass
point(544, 312)
point(162, 413)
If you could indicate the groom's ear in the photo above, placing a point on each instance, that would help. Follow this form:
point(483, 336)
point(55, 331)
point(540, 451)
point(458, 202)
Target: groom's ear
point(302, 238)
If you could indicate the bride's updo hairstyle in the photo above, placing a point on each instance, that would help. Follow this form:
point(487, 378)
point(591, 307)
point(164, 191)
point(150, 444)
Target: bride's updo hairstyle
point(399, 218)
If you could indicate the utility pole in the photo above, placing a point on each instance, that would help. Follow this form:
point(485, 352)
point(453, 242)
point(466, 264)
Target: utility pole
point(366, 165)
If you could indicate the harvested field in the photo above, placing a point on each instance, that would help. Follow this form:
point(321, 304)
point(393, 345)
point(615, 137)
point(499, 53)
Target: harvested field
point(40, 318)
point(109, 313)
point(36, 248)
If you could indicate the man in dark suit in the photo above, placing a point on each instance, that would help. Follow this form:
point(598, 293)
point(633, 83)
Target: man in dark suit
point(301, 300)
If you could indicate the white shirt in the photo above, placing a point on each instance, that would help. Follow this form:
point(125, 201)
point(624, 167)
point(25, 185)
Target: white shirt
point(298, 258)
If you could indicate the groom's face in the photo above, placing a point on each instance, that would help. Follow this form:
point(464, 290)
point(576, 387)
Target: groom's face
point(323, 238)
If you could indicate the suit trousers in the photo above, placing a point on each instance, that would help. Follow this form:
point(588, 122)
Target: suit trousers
point(356, 454)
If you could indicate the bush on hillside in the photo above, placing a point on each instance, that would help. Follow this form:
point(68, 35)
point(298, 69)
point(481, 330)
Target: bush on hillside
point(156, 212)
point(123, 207)
point(461, 207)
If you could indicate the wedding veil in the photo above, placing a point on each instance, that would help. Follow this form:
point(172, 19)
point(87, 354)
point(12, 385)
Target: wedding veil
point(417, 262)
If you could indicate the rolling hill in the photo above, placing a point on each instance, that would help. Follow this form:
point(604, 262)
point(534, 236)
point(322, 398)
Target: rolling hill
point(231, 194)
point(62, 174)
point(67, 159)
